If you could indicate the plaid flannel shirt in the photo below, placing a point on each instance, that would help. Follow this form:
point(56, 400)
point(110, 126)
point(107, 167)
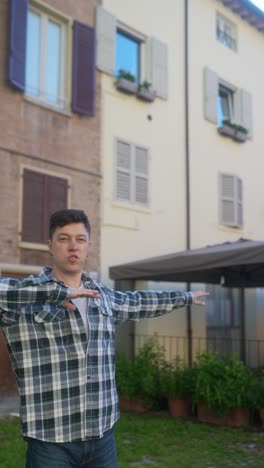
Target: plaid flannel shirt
point(66, 380)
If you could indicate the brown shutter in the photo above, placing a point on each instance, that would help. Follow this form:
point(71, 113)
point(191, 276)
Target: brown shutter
point(17, 43)
point(83, 86)
point(42, 195)
point(56, 199)
point(33, 196)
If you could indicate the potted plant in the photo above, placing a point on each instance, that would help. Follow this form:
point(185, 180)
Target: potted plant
point(233, 130)
point(138, 380)
point(177, 385)
point(126, 82)
point(145, 92)
point(223, 390)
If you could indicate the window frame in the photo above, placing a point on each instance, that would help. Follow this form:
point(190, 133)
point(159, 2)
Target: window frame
point(140, 40)
point(230, 92)
point(224, 21)
point(133, 175)
point(46, 14)
point(23, 167)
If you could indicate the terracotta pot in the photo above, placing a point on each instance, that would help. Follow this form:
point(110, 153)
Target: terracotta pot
point(178, 407)
point(132, 405)
point(235, 418)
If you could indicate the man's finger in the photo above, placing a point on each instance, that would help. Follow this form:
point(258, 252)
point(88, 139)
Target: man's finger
point(81, 292)
point(69, 305)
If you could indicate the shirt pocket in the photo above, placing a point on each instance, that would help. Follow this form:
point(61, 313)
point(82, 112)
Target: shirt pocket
point(49, 313)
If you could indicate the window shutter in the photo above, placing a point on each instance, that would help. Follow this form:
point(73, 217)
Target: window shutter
point(239, 196)
point(123, 171)
point(56, 199)
point(83, 87)
point(245, 107)
point(159, 67)
point(105, 40)
point(210, 95)
point(33, 215)
point(141, 175)
point(17, 43)
point(228, 200)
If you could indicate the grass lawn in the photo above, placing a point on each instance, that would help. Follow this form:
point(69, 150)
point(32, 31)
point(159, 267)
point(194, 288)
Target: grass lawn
point(159, 440)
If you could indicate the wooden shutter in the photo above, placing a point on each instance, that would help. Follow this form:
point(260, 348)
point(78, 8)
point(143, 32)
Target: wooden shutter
point(17, 43)
point(33, 212)
point(105, 40)
point(83, 83)
point(141, 175)
point(231, 201)
point(56, 199)
point(239, 202)
point(123, 171)
point(42, 195)
point(210, 95)
point(159, 67)
point(245, 110)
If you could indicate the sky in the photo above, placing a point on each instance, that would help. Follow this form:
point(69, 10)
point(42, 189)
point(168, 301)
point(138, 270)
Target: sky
point(259, 3)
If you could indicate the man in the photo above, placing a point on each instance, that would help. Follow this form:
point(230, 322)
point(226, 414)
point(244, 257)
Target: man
point(63, 352)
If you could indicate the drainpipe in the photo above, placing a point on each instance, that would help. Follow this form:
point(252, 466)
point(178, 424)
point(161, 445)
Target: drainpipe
point(187, 172)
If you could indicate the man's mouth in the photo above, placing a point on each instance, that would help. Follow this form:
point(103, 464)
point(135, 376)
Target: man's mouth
point(73, 257)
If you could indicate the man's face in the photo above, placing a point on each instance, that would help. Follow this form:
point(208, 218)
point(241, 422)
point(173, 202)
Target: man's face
point(69, 248)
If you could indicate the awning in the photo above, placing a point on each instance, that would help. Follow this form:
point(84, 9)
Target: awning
point(236, 264)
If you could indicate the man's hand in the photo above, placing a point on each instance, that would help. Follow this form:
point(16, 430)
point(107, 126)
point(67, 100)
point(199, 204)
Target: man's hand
point(81, 292)
point(197, 295)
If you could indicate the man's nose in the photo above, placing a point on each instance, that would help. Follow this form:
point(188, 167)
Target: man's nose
point(73, 245)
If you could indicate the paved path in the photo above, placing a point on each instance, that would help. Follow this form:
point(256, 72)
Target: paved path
point(9, 406)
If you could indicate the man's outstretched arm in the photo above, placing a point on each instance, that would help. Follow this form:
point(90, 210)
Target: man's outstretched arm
point(15, 294)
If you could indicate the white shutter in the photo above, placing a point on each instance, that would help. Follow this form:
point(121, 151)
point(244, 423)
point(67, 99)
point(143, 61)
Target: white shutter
point(141, 165)
point(228, 200)
point(239, 204)
point(245, 118)
point(159, 67)
point(231, 200)
point(123, 171)
point(210, 95)
point(105, 40)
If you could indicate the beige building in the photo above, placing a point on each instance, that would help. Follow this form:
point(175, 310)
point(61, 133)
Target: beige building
point(183, 169)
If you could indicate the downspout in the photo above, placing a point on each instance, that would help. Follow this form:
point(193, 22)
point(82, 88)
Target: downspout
point(187, 172)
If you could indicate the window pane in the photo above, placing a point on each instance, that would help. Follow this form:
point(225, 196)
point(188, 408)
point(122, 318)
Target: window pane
point(224, 106)
point(53, 62)
point(33, 53)
point(127, 55)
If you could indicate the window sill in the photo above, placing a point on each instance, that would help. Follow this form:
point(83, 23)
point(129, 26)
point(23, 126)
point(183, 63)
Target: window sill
point(46, 105)
point(33, 246)
point(130, 207)
point(232, 133)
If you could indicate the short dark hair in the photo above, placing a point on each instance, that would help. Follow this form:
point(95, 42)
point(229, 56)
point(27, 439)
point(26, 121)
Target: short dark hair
point(63, 217)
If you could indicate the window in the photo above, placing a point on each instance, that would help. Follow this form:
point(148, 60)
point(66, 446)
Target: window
point(131, 173)
point(127, 55)
point(231, 201)
point(224, 309)
point(46, 58)
point(225, 104)
point(43, 194)
point(224, 101)
point(51, 61)
point(226, 32)
point(119, 47)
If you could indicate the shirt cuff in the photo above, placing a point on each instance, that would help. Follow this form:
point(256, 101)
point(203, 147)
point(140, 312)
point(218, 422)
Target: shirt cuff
point(189, 298)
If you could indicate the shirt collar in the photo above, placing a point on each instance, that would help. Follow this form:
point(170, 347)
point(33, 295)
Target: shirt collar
point(46, 273)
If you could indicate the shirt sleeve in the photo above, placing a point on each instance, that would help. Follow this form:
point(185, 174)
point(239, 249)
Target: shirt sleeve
point(15, 294)
point(146, 304)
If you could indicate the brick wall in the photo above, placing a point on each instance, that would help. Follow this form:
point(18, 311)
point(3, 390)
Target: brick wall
point(45, 140)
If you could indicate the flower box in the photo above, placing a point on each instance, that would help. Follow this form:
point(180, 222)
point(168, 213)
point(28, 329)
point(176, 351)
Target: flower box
point(226, 130)
point(240, 136)
point(126, 86)
point(178, 407)
point(234, 418)
point(146, 94)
